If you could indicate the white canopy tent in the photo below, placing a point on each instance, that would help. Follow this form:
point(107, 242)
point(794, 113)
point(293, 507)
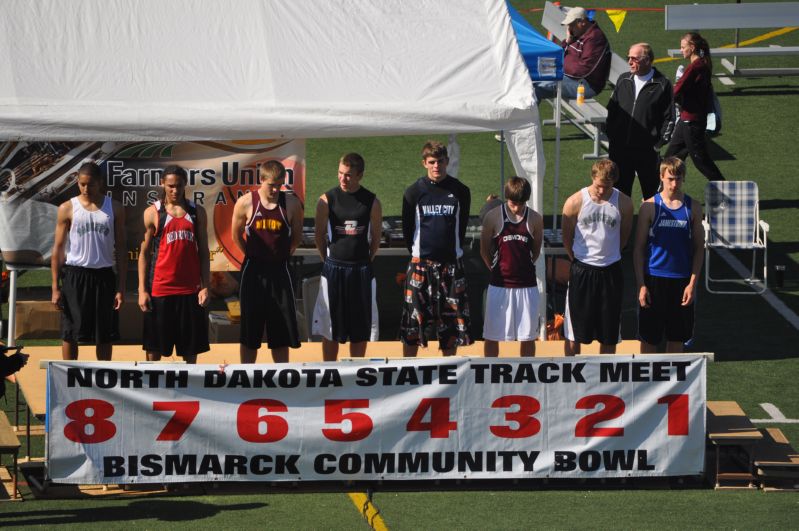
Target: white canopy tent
point(186, 70)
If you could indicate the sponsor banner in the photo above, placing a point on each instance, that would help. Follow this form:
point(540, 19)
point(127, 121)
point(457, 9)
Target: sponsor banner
point(476, 418)
point(35, 177)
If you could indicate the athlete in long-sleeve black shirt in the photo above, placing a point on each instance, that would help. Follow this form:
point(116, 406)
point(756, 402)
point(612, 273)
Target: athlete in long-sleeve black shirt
point(434, 218)
point(435, 211)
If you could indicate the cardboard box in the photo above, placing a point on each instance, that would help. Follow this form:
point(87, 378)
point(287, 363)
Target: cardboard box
point(41, 320)
point(37, 320)
point(221, 329)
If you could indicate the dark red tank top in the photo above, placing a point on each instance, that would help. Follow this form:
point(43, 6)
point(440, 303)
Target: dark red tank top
point(268, 232)
point(175, 268)
point(512, 265)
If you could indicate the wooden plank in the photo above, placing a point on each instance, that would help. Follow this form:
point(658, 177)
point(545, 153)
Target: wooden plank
point(749, 51)
point(8, 439)
point(775, 451)
point(726, 421)
point(731, 16)
point(7, 481)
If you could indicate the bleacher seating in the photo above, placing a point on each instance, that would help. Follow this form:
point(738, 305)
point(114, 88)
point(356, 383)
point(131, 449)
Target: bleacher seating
point(736, 16)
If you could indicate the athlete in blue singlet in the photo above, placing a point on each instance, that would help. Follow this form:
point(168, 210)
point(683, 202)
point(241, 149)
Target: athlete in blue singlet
point(668, 257)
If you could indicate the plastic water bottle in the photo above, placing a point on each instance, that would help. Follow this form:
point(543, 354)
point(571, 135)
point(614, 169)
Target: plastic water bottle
point(581, 93)
point(680, 70)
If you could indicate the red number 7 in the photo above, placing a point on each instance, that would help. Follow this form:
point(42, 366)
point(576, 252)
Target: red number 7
point(185, 413)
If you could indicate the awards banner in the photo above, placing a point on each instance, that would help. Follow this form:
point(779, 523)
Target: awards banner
point(414, 419)
point(35, 177)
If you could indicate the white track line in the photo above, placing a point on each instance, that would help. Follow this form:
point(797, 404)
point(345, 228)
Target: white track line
point(776, 415)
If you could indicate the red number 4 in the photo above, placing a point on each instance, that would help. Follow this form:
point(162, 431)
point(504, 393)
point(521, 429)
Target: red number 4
point(439, 424)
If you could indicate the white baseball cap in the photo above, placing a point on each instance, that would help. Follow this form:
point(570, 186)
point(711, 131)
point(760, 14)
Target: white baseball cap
point(575, 13)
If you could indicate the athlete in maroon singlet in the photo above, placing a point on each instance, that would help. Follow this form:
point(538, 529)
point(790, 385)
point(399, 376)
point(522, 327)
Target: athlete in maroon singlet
point(272, 222)
point(268, 231)
point(512, 265)
point(510, 244)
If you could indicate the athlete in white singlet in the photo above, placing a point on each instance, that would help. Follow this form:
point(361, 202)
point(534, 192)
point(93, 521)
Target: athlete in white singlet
point(89, 240)
point(596, 225)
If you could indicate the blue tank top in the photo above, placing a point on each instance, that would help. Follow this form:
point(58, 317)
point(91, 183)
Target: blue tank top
point(670, 245)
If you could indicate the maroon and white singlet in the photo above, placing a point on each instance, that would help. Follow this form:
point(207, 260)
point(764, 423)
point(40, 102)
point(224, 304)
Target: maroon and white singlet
point(176, 269)
point(268, 232)
point(512, 265)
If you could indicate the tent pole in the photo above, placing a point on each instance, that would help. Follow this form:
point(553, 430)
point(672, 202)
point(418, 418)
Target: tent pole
point(502, 164)
point(557, 161)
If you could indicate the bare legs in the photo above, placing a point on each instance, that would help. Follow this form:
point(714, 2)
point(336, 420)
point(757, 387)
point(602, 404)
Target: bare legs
point(491, 348)
point(330, 349)
point(249, 355)
point(69, 351)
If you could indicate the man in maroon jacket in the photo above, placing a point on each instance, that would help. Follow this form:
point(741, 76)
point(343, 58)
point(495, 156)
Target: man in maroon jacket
point(586, 58)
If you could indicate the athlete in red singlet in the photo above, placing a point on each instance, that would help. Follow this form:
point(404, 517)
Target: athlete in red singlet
point(177, 262)
point(173, 282)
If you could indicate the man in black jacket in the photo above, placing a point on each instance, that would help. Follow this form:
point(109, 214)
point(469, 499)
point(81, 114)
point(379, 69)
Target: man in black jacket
point(640, 121)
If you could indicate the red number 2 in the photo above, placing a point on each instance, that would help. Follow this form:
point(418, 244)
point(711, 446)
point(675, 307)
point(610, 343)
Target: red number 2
point(586, 426)
point(185, 413)
point(101, 430)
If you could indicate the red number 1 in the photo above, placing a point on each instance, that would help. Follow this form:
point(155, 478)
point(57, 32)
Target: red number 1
point(677, 413)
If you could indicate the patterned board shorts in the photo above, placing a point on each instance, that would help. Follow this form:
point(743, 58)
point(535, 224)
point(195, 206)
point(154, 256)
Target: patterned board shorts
point(435, 293)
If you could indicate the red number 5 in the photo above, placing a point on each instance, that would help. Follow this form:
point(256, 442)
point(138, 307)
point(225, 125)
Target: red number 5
point(360, 423)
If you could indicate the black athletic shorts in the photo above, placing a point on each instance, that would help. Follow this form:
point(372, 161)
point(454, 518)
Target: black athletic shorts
point(594, 303)
point(266, 295)
point(666, 312)
point(176, 321)
point(87, 297)
point(435, 293)
point(346, 308)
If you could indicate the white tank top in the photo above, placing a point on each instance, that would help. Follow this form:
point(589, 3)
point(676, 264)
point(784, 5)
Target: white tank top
point(597, 235)
point(91, 237)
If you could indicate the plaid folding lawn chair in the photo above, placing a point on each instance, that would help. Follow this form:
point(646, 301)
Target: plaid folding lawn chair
point(732, 222)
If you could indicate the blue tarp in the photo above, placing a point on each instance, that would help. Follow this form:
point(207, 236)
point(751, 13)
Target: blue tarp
point(543, 57)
